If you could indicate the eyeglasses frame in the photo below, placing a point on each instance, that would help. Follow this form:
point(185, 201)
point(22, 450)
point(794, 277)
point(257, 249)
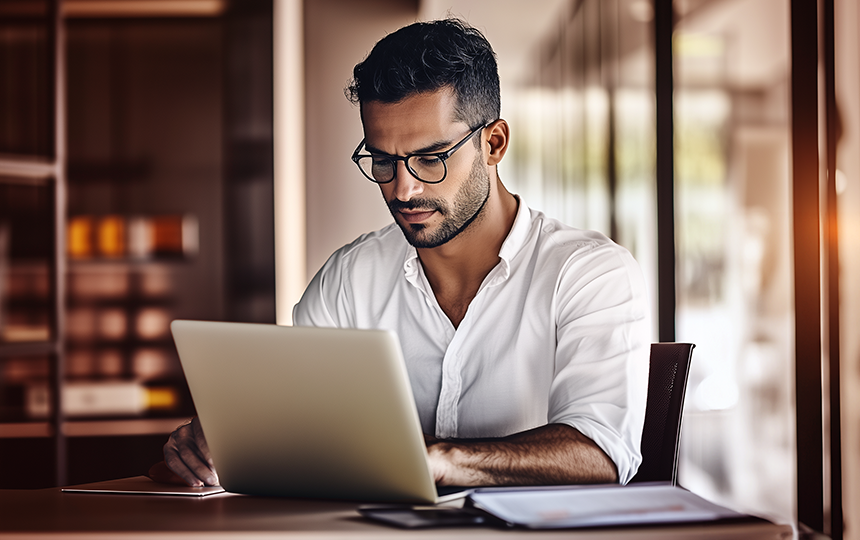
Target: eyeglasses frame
point(405, 159)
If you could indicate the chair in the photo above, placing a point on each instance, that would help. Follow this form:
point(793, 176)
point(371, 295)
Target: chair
point(667, 382)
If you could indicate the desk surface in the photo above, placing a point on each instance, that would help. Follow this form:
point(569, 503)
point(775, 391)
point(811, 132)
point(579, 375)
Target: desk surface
point(76, 515)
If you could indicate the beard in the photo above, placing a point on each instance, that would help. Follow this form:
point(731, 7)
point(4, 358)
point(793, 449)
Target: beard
point(467, 208)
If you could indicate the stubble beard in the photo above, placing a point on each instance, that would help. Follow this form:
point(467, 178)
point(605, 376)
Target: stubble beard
point(467, 209)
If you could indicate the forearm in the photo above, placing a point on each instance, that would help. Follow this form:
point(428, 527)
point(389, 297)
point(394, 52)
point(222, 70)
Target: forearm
point(552, 454)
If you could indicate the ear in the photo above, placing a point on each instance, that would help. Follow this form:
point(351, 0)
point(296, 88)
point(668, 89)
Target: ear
point(498, 141)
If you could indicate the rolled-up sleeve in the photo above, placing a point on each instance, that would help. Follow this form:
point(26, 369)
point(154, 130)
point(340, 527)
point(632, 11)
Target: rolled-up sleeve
point(603, 342)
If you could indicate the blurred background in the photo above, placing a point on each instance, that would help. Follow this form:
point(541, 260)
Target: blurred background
point(165, 159)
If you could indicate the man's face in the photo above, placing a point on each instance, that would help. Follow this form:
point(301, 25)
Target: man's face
point(428, 214)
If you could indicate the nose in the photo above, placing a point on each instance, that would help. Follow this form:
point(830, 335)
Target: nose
point(406, 186)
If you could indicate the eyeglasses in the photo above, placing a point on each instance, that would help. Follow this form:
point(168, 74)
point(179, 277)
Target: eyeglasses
point(430, 168)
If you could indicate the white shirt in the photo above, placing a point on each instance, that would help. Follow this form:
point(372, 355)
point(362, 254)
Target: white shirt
point(557, 333)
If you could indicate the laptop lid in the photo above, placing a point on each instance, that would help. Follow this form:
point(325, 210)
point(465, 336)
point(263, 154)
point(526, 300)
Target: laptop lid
point(306, 412)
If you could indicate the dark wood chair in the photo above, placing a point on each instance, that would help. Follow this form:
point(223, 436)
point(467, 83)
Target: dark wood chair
point(667, 383)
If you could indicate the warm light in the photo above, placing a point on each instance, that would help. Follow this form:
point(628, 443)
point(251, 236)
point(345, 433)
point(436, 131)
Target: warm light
point(698, 45)
point(167, 235)
point(111, 236)
point(15, 332)
point(104, 398)
point(112, 323)
point(99, 284)
point(152, 323)
point(80, 234)
point(100, 398)
point(142, 8)
point(139, 237)
point(143, 237)
point(149, 364)
point(162, 398)
point(190, 235)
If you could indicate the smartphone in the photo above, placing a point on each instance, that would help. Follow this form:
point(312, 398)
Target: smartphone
point(407, 517)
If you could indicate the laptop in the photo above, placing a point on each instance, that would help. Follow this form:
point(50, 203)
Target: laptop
point(307, 412)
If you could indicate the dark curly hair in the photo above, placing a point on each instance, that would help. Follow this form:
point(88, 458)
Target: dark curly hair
point(425, 57)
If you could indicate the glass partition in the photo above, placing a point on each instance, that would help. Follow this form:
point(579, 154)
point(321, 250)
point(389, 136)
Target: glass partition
point(583, 123)
point(734, 286)
point(584, 152)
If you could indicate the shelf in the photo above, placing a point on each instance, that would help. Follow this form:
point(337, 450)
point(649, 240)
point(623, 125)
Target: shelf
point(36, 348)
point(24, 430)
point(106, 428)
point(26, 170)
point(125, 343)
point(92, 428)
point(131, 302)
point(129, 264)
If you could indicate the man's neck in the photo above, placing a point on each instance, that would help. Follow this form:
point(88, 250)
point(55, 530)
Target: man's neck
point(457, 268)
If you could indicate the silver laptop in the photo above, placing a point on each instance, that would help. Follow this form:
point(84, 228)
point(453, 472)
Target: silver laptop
point(307, 412)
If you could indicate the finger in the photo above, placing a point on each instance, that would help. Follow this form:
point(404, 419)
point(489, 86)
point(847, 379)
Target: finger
point(202, 445)
point(195, 463)
point(188, 466)
point(175, 464)
point(184, 458)
point(191, 436)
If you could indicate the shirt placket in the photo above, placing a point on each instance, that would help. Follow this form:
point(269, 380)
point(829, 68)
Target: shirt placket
point(447, 409)
point(449, 394)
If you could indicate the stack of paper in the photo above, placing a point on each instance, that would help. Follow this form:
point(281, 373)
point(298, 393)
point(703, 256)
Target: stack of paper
point(598, 506)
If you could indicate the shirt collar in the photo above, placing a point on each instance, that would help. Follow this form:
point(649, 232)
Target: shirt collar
point(412, 266)
point(519, 232)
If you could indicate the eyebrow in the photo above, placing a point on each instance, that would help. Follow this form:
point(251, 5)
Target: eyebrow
point(435, 147)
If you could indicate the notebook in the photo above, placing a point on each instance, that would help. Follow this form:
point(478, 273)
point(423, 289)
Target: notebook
point(142, 485)
point(307, 412)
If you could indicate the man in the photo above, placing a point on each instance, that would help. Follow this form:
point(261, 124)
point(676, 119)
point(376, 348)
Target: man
point(526, 341)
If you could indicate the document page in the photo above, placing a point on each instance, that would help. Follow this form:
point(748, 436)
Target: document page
point(598, 506)
point(141, 485)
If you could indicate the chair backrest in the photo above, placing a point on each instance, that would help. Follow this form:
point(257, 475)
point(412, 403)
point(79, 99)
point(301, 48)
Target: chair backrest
point(667, 382)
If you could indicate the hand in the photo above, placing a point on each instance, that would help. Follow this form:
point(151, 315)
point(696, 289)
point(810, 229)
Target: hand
point(436, 459)
point(187, 454)
point(439, 459)
point(163, 475)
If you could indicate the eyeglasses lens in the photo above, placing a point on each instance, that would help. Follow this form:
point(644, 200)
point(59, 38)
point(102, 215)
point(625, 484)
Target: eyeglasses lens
point(425, 168)
point(381, 170)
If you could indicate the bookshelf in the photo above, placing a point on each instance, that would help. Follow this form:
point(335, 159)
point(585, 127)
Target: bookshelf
point(32, 205)
point(139, 192)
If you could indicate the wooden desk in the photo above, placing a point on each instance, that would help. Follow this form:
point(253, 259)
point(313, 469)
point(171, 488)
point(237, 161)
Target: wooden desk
point(49, 513)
